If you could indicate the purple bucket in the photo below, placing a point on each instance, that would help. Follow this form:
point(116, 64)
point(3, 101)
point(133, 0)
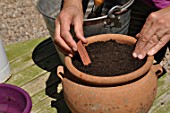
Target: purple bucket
point(14, 99)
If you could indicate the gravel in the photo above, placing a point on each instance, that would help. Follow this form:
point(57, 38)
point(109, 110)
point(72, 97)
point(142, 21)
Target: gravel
point(20, 21)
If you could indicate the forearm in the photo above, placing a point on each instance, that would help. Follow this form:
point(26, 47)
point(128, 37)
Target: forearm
point(77, 3)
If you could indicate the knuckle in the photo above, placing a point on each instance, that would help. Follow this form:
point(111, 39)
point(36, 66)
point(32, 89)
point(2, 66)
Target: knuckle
point(152, 41)
point(56, 40)
point(167, 26)
point(138, 47)
point(61, 16)
point(137, 50)
point(63, 34)
point(161, 21)
point(144, 38)
point(161, 42)
point(79, 33)
point(152, 16)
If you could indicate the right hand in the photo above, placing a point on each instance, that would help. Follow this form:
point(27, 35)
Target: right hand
point(71, 14)
point(154, 35)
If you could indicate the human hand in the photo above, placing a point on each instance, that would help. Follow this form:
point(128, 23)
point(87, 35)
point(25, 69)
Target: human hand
point(154, 34)
point(70, 15)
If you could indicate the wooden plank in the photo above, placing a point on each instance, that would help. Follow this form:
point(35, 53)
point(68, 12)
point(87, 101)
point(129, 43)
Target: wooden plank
point(49, 63)
point(45, 56)
point(21, 64)
point(41, 95)
point(36, 85)
point(162, 104)
point(42, 85)
point(26, 75)
point(44, 50)
point(48, 110)
point(46, 103)
point(29, 76)
point(15, 51)
point(38, 97)
point(162, 101)
point(163, 85)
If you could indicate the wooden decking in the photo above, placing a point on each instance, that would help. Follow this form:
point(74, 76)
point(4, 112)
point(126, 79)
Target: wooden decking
point(33, 68)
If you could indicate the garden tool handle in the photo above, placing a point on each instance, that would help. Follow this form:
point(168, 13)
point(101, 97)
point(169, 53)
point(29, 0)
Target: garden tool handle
point(97, 8)
point(98, 2)
point(60, 72)
point(158, 70)
point(117, 9)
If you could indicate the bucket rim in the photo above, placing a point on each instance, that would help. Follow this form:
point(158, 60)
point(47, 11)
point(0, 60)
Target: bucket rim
point(124, 7)
point(44, 14)
point(85, 20)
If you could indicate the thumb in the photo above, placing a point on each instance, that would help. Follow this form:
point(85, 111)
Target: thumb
point(138, 35)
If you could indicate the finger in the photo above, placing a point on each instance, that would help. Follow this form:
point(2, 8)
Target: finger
point(151, 19)
point(162, 42)
point(63, 46)
point(78, 29)
point(141, 43)
point(137, 36)
point(157, 27)
point(151, 43)
point(149, 29)
point(147, 37)
point(139, 46)
point(59, 41)
point(147, 25)
point(69, 54)
point(61, 50)
point(66, 35)
point(162, 32)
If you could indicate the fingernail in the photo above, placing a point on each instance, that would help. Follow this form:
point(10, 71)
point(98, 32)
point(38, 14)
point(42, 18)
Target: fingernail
point(134, 55)
point(74, 49)
point(70, 55)
point(151, 52)
point(140, 56)
point(86, 41)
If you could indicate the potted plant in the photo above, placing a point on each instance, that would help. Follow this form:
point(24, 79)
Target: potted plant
point(132, 92)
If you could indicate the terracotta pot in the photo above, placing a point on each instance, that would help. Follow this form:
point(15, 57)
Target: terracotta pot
point(129, 93)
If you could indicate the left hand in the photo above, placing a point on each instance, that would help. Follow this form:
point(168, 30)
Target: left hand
point(154, 34)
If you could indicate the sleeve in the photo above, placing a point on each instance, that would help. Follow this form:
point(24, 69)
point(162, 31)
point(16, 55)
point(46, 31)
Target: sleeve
point(160, 4)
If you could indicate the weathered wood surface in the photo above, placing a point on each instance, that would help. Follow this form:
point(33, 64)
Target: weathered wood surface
point(27, 75)
point(33, 65)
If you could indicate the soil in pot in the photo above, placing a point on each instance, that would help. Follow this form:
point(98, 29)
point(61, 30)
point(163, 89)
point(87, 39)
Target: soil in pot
point(109, 59)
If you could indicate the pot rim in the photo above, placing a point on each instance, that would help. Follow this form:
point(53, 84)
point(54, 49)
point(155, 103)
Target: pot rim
point(111, 80)
point(20, 91)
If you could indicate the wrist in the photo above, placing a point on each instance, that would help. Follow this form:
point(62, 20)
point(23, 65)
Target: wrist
point(77, 3)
